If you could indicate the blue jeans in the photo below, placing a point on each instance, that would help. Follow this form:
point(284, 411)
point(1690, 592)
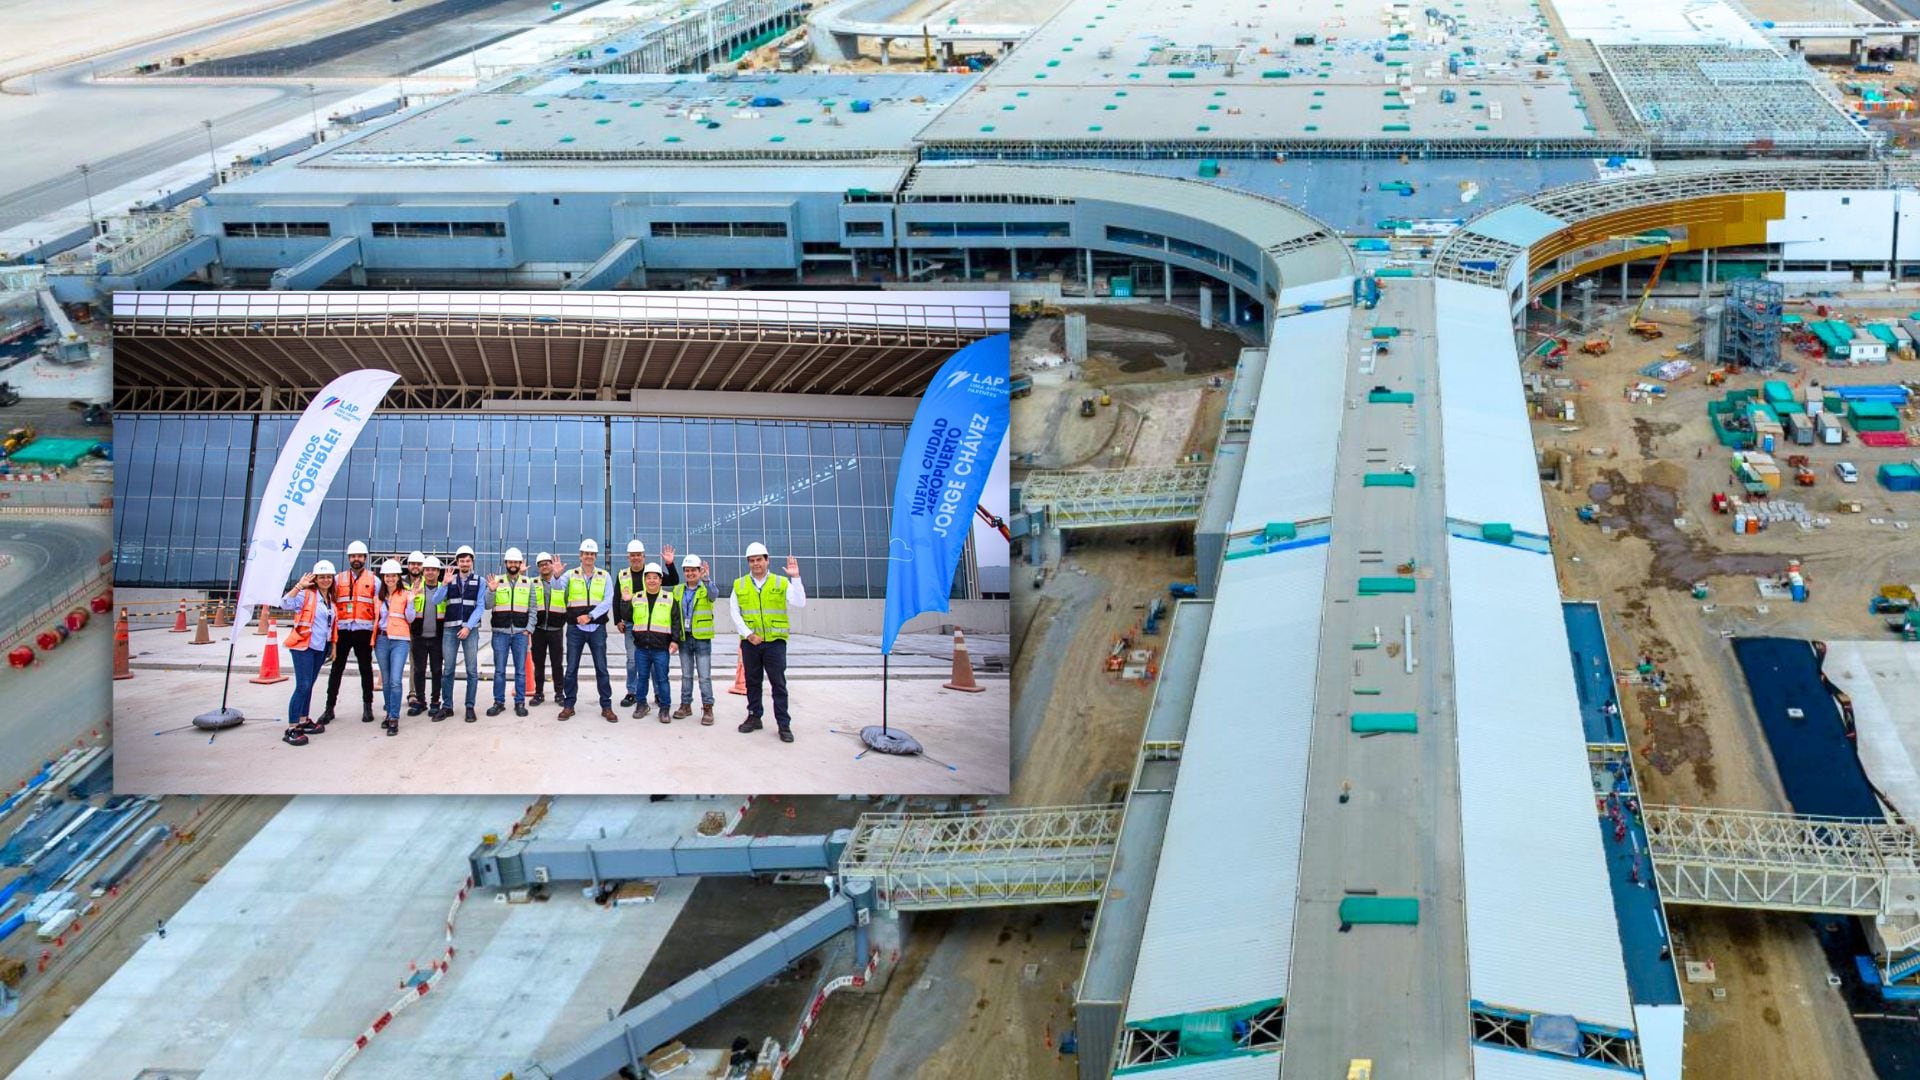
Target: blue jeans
point(392, 654)
point(453, 647)
point(696, 654)
point(306, 672)
point(596, 643)
point(653, 669)
point(510, 652)
point(634, 685)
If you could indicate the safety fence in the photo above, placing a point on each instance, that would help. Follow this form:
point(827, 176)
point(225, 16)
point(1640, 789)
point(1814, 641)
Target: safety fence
point(819, 1001)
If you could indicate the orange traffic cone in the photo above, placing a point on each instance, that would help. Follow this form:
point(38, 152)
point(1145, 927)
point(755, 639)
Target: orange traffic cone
point(265, 626)
point(220, 614)
point(122, 651)
point(266, 620)
point(527, 681)
point(269, 666)
point(180, 620)
point(740, 673)
point(962, 668)
point(200, 635)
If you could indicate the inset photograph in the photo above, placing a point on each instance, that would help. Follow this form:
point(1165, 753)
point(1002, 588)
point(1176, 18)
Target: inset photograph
point(581, 543)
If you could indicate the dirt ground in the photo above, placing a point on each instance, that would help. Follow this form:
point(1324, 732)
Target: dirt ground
point(1657, 462)
point(169, 878)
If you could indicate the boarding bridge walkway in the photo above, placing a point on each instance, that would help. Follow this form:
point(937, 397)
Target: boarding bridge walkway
point(1154, 495)
point(995, 858)
point(1784, 862)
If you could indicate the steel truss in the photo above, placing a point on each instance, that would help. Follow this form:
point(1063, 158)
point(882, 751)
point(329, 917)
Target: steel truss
point(1512, 1030)
point(1143, 496)
point(993, 858)
point(1784, 862)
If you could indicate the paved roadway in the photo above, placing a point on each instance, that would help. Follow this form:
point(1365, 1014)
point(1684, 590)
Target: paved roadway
point(69, 692)
point(1395, 994)
point(59, 118)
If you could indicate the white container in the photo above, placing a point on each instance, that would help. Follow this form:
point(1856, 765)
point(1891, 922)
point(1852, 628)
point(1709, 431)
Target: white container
point(1740, 522)
point(56, 926)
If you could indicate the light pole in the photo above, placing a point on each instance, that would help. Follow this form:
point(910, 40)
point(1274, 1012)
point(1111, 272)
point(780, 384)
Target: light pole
point(213, 162)
point(313, 105)
point(86, 181)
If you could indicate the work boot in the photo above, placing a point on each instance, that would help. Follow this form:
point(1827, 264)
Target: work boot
point(750, 725)
point(495, 709)
point(566, 712)
point(786, 734)
point(326, 717)
point(416, 707)
point(392, 725)
point(627, 701)
point(663, 715)
point(685, 710)
point(608, 716)
point(438, 714)
point(519, 709)
point(706, 716)
point(366, 712)
point(470, 715)
point(537, 699)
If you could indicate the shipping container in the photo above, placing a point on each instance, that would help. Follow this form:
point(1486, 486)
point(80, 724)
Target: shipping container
point(1899, 477)
point(57, 925)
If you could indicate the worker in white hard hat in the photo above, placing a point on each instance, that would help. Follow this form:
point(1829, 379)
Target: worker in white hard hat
point(761, 601)
point(549, 628)
point(429, 616)
point(510, 599)
point(416, 563)
point(590, 595)
point(308, 642)
point(393, 639)
point(460, 633)
point(656, 637)
point(627, 584)
point(695, 601)
point(354, 598)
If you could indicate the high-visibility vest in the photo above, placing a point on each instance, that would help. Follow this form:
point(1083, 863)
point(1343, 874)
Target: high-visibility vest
point(549, 595)
point(763, 608)
point(354, 597)
point(697, 620)
point(420, 594)
point(399, 607)
point(302, 633)
point(512, 600)
point(650, 616)
point(584, 593)
point(462, 598)
point(625, 578)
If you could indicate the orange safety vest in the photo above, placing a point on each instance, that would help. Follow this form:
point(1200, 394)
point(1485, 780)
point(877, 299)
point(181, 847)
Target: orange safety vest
point(354, 597)
point(400, 614)
point(302, 632)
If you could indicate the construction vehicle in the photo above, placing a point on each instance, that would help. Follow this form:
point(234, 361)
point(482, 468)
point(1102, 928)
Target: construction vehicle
point(1804, 477)
point(1722, 504)
point(1639, 327)
point(1590, 513)
point(16, 439)
point(1182, 590)
point(1034, 309)
point(1596, 346)
point(926, 45)
point(1086, 407)
point(1106, 398)
point(1021, 386)
point(8, 395)
point(1155, 610)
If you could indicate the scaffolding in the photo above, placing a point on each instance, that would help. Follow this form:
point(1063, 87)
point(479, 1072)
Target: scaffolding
point(1712, 95)
point(1143, 496)
point(1750, 325)
point(994, 858)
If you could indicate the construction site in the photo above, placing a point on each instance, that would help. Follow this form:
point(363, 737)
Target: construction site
point(1463, 568)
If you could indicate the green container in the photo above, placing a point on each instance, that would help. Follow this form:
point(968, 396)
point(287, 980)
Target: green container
point(1387, 479)
point(1378, 586)
point(1380, 910)
point(1394, 271)
point(1209, 167)
point(1497, 531)
point(1278, 531)
point(1364, 722)
point(1384, 332)
point(1778, 391)
point(1389, 397)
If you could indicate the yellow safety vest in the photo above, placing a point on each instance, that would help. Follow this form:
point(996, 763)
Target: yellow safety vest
point(653, 617)
point(512, 599)
point(763, 609)
point(698, 621)
point(585, 593)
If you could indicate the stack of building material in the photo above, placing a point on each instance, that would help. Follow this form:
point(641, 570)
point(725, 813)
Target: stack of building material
point(1873, 416)
point(1756, 467)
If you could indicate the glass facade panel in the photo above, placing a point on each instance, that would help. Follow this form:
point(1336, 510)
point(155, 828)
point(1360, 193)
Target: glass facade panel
point(819, 491)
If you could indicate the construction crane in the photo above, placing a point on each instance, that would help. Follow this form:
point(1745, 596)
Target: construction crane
point(926, 46)
point(994, 522)
point(1641, 328)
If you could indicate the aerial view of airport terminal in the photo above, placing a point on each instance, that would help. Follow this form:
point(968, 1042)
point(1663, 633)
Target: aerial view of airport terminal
point(1455, 587)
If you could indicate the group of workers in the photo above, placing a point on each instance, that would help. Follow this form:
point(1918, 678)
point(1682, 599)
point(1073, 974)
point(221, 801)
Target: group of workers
point(419, 611)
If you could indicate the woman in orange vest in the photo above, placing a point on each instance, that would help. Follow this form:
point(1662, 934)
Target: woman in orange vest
point(393, 636)
point(308, 645)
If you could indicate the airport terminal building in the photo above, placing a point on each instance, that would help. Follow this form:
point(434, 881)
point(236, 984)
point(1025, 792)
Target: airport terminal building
point(531, 421)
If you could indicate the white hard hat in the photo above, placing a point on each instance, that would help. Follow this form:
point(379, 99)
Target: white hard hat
point(433, 562)
point(391, 566)
point(756, 548)
point(463, 550)
point(322, 567)
point(416, 556)
point(652, 568)
point(590, 545)
point(513, 555)
point(635, 547)
point(692, 562)
point(356, 548)
point(544, 557)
